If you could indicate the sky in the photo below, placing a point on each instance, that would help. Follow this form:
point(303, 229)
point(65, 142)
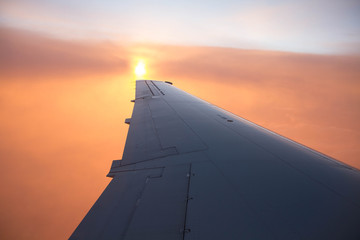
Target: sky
point(315, 26)
point(67, 78)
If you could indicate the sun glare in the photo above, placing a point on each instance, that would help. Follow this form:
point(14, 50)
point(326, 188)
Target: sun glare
point(140, 69)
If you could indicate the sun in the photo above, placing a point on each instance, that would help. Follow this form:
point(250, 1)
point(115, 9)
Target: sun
point(140, 69)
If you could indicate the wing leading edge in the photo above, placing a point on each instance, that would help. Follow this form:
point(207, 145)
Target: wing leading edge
point(191, 170)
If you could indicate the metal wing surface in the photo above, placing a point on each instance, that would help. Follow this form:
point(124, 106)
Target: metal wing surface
point(191, 170)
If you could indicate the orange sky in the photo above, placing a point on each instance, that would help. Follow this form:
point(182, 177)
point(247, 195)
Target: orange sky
point(63, 103)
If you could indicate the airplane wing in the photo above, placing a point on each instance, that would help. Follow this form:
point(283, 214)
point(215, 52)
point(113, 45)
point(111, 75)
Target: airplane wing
point(191, 170)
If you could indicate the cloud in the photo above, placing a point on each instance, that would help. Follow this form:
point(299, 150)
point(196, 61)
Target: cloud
point(61, 105)
point(62, 119)
point(25, 53)
point(293, 94)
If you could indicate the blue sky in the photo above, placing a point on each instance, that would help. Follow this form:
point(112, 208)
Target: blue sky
point(313, 26)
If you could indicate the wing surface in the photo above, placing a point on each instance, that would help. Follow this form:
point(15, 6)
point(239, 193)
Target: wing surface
point(191, 170)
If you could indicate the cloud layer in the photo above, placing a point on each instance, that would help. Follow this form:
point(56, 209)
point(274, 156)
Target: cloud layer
point(28, 53)
point(310, 98)
point(63, 104)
